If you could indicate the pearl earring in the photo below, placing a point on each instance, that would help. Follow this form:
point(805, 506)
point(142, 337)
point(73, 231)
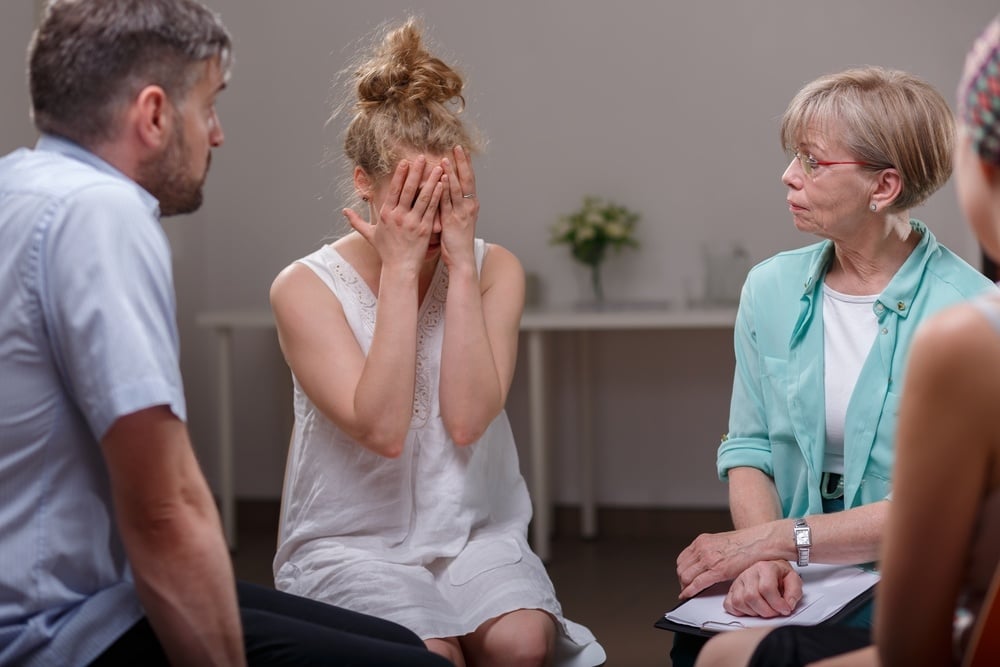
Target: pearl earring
point(874, 207)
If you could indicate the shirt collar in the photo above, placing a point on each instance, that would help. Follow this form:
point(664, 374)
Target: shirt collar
point(55, 144)
point(898, 294)
point(897, 297)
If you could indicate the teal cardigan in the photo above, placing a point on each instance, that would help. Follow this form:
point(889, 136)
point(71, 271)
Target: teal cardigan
point(777, 418)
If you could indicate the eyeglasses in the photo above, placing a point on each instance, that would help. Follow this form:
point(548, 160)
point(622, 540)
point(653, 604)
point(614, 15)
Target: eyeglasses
point(809, 163)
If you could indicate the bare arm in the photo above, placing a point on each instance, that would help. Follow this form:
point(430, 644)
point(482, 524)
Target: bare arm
point(480, 344)
point(763, 588)
point(946, 464)
point(753, 498)
point(369, 396)
point(173, 538)
point(851, 536)
point(482, 314)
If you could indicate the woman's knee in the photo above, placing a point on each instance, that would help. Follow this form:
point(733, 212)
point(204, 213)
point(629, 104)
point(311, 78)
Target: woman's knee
point(523, 638)
point(447, 648)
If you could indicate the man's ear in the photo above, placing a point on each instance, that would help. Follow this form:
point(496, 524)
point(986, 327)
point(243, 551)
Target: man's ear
point(153, 115)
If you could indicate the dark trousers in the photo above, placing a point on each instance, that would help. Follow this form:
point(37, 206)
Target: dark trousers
point(792, 645)
point(281, 629)
point(798, 645)
point(685, 649)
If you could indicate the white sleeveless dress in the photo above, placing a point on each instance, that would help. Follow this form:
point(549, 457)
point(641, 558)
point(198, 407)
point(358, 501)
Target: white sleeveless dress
point(435, 539)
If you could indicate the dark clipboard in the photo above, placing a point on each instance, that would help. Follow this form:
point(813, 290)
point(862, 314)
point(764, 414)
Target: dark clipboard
point(856, 603)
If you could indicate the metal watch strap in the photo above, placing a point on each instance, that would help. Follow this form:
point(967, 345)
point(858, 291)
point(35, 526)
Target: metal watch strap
point(803, 541)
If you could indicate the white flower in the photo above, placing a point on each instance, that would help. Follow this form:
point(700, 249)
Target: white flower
point(615, 230)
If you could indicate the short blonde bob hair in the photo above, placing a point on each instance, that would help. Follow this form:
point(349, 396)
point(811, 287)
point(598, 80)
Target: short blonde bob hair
point(885, 117)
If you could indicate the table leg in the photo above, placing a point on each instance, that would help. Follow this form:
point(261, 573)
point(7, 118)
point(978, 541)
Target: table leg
point(588, 504)
point(541, 523)
point(227, 496)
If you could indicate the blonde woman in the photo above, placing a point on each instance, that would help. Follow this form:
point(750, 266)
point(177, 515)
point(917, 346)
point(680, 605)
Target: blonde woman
point(403, 497)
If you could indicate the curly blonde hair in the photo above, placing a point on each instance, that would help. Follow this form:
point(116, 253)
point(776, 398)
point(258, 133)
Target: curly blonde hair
point(404, 98)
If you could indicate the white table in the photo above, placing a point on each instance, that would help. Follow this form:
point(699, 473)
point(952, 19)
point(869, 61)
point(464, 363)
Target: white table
point(224, 323)
point(535, 323)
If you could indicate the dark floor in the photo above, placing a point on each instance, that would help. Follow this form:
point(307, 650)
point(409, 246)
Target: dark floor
point(617, 584)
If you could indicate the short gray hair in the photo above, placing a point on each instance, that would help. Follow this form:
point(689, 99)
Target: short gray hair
point(88, 58)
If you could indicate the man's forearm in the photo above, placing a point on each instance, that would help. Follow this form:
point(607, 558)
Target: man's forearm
point(185, 582)
point(173, 537)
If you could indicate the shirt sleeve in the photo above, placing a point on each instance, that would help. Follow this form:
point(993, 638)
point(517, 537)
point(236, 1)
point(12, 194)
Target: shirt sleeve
point(109, 305)
point(747, 443)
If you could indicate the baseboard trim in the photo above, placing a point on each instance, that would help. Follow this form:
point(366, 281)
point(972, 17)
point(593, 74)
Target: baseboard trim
point(640, 522)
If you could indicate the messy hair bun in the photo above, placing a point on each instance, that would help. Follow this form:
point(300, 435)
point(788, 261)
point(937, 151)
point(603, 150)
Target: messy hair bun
point(405, 98)
point(403, 74)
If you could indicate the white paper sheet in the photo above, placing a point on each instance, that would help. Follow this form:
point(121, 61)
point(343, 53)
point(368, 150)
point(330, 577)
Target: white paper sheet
point(826, 589)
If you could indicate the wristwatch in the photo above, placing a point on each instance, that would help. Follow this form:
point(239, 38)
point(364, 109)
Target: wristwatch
point(803, 541)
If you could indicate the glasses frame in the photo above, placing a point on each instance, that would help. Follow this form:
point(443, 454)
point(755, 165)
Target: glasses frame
point(809, 163)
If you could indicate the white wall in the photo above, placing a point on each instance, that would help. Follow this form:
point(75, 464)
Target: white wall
point(16, 22)
point(668, 107)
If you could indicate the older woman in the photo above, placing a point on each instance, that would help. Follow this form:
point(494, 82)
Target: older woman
point(947, 422)
point(822, 337)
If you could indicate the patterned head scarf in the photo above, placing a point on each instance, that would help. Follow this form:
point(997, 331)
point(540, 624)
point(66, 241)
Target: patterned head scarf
point(979, 94)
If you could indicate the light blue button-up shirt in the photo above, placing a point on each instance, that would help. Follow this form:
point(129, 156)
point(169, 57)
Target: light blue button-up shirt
point(87, 335)
point(777, 419)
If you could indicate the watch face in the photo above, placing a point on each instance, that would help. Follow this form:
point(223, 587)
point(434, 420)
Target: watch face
point(802, 538)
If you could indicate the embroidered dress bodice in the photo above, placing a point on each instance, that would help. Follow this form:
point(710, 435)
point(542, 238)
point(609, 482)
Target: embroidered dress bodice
point(435, 539)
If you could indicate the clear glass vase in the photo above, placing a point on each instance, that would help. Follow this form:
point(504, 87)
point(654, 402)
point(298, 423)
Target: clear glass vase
point(595, 282)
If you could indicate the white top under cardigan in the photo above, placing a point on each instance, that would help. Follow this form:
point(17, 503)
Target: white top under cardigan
point(435, 539)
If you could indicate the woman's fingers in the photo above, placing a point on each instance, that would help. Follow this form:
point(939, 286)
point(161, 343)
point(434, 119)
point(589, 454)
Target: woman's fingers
point(466, 176)
point(432, 205)
point(447, 197)
point(766, 589)
point(396, 184)
point(360, 225)
point(423, 203)
point(411, 184)
point(453, 194)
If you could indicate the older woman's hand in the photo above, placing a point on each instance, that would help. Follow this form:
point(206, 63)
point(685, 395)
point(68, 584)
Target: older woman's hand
point(715, 557)
point(766, 589)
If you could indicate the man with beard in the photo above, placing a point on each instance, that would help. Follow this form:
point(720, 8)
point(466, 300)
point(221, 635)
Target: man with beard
point(111, 549)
